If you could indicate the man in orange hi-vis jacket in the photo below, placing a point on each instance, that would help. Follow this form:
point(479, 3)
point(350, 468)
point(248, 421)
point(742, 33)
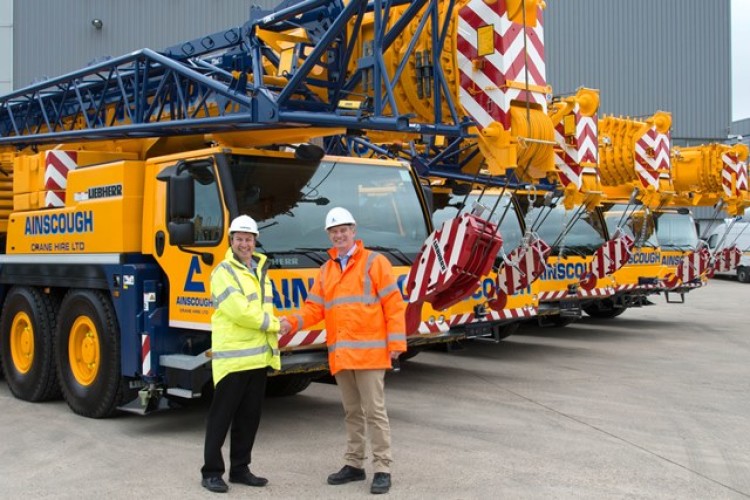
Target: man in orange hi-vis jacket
point(356, 294)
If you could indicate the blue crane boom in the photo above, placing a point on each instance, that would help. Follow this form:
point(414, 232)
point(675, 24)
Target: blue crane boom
point(233, 80)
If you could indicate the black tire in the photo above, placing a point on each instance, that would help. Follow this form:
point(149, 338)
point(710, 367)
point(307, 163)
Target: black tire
point(743, 274)
point(410, 353)
point(90, 375)
point(27, 331)
point(505, 331)
point(603, 309)
point(287, 385)
point(557, 321)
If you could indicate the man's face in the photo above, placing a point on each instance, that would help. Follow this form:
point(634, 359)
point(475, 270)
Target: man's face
point(342, 237)
point(243, 245)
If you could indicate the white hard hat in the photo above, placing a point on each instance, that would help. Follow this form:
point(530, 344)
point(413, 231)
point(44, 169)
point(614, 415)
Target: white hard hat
point(243, 224)
point(338, 216)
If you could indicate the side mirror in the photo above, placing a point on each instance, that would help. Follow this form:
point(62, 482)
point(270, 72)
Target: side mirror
point(181, 196)
point(181, 233)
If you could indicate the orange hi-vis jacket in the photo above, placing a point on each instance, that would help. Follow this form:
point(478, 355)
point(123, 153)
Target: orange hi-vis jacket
point(363, 309)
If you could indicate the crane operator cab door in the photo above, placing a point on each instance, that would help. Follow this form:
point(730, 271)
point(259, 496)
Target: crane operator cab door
point(188, 237)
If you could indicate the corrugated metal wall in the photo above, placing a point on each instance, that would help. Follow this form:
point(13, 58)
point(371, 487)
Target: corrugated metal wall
point(644, 56)
point(742, 127)
point(53, 37)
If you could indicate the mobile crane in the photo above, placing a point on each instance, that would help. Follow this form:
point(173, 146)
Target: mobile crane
point(713, 175)
point(634, 163)
point(647, 191)
point(125, 173)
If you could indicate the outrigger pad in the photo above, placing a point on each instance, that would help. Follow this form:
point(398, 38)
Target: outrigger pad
point(450, 265)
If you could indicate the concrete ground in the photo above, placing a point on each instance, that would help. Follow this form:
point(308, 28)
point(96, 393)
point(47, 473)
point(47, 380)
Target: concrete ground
point(653, 404)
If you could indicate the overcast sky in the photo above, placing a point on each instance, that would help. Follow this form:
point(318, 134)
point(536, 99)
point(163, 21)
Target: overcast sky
point(740, 64)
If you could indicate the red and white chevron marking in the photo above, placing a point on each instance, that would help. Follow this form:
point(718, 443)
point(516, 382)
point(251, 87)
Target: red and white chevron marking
point(308, 338)
point(435, 267)
point(57, 164)
point(431, 327)
point(574, 152)
point(611, 256)
point(635, 287)
point(652, 156)
point(553, 296)
point(303, 338)
point(483, 91)
point(145, 355)
point(693, 265)
point(607, 291)
point(450, 265)
point(727, 259)
point(733, 175)
point(742, 177)
point(492, 315)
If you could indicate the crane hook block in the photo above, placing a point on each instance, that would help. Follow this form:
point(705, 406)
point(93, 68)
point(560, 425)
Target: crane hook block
point(450, 265)
point(522, 267)
point(608, 258)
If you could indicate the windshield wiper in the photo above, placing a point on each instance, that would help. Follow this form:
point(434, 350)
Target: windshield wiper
point(677, 247)
point(400, 256)
point(641, 244)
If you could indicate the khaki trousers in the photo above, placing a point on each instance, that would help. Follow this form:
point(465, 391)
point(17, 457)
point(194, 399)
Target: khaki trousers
point(363, 397)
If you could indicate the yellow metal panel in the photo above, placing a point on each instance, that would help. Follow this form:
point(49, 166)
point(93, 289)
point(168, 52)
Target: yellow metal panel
point(485, 40)
point(103, 214)
point(28, 174)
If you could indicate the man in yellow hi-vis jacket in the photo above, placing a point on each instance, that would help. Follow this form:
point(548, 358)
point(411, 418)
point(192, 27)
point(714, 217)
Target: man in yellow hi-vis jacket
point(244, 343)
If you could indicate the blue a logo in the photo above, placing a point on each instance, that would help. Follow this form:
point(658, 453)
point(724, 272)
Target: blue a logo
point(190, 284)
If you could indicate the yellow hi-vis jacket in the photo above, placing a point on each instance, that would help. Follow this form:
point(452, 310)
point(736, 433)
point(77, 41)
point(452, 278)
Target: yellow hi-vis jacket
point(363, 309)
point(243, 327)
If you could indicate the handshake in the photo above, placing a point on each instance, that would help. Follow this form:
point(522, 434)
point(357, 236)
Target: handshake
point(285, 326)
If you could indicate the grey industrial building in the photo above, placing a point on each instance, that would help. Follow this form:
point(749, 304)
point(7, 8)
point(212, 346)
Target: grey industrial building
point(643, 55)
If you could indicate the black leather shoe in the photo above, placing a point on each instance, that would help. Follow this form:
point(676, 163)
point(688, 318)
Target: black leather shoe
point(381, 483)
point(215, 484)
point(347, 474)
point(249, 479)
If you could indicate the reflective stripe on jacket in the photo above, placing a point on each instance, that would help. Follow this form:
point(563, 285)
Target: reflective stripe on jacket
point(243, 326)
point(363, 310)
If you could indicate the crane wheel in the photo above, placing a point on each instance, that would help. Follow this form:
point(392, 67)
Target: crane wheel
point(555, 321)
point(287, 385)
point(88, 354)
point(603, 309)
point(27, 330)
point(743, 274)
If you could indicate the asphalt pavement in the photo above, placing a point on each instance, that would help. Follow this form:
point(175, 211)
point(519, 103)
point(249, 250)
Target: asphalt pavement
point(652, 404)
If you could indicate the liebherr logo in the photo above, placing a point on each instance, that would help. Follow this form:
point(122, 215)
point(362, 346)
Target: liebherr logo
point(439, 255)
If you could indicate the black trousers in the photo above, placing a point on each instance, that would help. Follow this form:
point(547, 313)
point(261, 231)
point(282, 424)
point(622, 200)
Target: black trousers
point(237, 403)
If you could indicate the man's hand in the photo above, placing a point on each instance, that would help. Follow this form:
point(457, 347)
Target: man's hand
point(285, 326)
point(395, 354)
